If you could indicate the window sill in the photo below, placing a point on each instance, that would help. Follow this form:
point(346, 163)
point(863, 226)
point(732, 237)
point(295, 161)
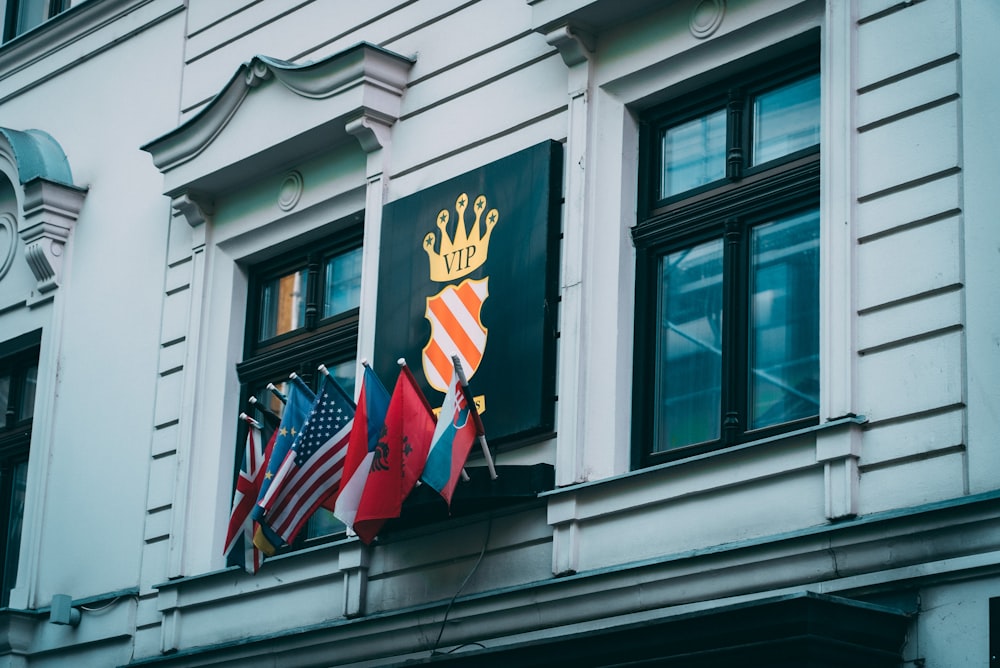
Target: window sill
point(830, 424)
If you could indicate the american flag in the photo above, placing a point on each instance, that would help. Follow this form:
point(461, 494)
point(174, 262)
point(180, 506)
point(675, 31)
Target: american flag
point(311, 471)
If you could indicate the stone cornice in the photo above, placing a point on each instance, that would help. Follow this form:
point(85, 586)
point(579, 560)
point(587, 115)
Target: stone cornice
point(310, 106)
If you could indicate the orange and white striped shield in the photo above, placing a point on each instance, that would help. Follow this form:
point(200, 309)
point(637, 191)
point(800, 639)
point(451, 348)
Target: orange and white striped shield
point(456, 328)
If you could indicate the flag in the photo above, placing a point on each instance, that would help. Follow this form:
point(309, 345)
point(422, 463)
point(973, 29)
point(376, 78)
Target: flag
point(241, 524)
point(311, 471)
point(373, 401)
point(398, 459)
point(297, 407)
point(453, 438)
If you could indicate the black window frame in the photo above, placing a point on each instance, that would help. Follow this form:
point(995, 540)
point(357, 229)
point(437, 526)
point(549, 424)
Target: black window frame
point(328, 340)
point(726, 209)
point(12, 12)
point(17, 358)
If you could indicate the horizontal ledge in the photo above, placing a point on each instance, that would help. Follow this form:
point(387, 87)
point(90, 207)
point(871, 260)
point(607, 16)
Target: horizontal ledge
point(830, 424)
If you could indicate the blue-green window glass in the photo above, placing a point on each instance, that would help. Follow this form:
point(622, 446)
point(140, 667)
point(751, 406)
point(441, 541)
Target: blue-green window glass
point(283, 304)
point(343, 283)
point(19, 484)
point(784, 320)
point(23, 15)
point(693, 153)
point(5, 381)
point(29, 382)
point(785, 120)
point(689, 383)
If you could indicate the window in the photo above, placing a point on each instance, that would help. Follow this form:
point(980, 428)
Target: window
point(20, 16)
point(303, 312)
point(727, 320)
point(18, 375)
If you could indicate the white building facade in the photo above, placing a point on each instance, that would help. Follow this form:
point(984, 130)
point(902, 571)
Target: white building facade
point(762, 425)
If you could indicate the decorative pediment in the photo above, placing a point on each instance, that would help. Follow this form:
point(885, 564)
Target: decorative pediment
point(45, 206)
point(274, 113)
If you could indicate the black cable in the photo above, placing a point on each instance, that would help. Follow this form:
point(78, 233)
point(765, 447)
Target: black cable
point(475, 567)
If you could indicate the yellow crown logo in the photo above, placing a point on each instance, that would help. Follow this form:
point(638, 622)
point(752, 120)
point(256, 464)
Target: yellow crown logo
point(466, 251)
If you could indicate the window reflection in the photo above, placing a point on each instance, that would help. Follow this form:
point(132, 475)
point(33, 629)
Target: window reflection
point(19, 482)
point(283, 304)
point(786, 120)
point(784, 355)
point(690, 346)
point(694, 153)
point(343, 283)
point(28, 393)
point(4, 399)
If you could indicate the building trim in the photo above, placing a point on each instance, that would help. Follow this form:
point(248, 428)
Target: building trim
point(836, 558)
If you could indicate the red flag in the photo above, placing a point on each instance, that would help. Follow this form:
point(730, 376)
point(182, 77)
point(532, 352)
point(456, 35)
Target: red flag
point(373, 402)
point(399, 457)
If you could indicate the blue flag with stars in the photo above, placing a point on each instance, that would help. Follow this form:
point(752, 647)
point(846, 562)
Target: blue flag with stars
point(311, 471)
point(297, 407)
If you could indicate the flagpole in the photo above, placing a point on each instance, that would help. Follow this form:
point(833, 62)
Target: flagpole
point(249, 420)
point(472, 408)
point(276, 392)
point(264, 410)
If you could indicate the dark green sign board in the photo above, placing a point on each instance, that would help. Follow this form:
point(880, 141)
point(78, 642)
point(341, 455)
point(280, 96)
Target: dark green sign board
point(470, 267)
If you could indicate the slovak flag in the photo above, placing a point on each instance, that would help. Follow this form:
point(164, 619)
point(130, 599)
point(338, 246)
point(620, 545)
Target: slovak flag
point(453, 438)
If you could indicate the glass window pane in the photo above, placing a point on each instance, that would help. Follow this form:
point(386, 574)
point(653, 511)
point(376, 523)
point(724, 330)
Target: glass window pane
point(343, 283)
point(689, 354)
point(344, 373)
point(4, 399)
point(786, 120)
point(283, 304)
point(30, 13)
point(323, 523)
point(19, 484)
point(784, 342)
point(694, 153)
point(28, 393)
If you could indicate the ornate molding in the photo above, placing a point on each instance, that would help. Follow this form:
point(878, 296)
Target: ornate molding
point(355, 92)
point(574, 44)
point(370, 130)
point(706, 17)
point(290, 191)
point(8, 242)
point(196, 211)
point(50, 213)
